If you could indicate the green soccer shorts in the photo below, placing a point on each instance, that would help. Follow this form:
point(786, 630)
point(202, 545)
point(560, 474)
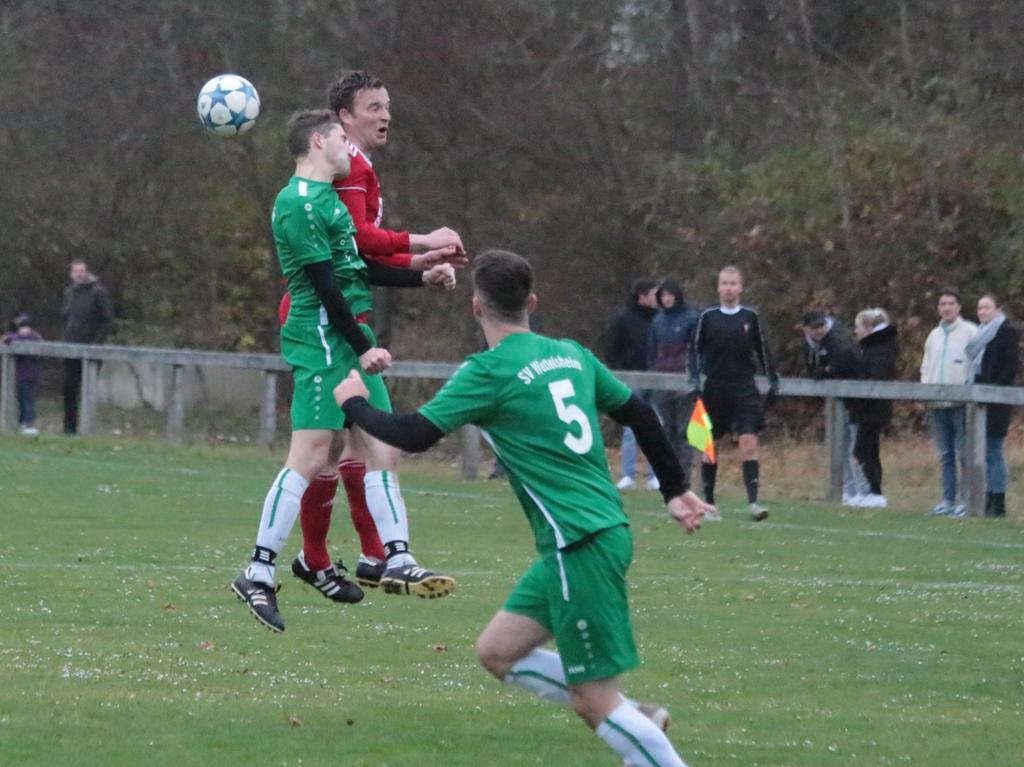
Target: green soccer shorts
point(579, 595)
point(320, 360)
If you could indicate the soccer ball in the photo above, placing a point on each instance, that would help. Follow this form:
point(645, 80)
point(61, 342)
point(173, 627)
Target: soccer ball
point(228, 105)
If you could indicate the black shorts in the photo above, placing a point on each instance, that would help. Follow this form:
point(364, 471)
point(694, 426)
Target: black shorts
point(734, 407)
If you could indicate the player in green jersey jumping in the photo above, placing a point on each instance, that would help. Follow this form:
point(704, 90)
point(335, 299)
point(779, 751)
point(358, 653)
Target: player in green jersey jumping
point(537, 401)
point(323, 339)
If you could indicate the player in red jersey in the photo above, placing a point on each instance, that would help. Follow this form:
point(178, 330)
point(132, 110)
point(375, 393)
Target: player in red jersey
point(362, 104)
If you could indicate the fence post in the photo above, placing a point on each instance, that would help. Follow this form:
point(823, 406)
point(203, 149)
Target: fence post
point(974, 459)
point(268, 408)
point(469, 436)
point(87, 408)
point(8, 417)
point(176, 407)
point(836, 448)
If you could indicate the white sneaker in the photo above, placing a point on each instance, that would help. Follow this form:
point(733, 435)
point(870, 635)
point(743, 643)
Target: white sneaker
point(942, 509)
point(653, 484)
point(854, 500)
point(758, 512)
point(626, 483)
point(873, 501)
point(28, 431)
point(713, 516)
point(959, 511)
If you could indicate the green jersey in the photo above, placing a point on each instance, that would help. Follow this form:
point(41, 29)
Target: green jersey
point(311, 224)
point(537, 401)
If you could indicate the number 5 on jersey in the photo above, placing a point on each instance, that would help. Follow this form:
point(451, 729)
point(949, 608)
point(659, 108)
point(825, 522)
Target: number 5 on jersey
point(571, 414)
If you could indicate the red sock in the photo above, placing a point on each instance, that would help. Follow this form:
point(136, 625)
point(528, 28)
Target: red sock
point(352, 474)
point(315, 518)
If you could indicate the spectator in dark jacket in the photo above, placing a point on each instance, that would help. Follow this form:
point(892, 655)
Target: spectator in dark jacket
point(830, 352)
point(830, 355)
point(626, 349)
point(671, 350)
point(88, 318)
point(994, 357)
point(26, 374)
point(877, 340)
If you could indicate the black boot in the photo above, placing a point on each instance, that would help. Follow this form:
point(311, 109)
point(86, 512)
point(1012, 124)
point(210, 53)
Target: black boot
point(998, 504)
point(989, 504)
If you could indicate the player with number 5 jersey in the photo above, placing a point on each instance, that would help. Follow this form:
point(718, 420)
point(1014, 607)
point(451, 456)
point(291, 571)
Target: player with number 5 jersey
point(537, 401)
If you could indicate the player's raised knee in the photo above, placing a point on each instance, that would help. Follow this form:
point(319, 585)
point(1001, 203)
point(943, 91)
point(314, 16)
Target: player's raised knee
point(492, 658)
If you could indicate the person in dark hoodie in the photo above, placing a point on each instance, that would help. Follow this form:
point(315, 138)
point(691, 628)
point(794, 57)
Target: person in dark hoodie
point(994, 355)
point(830, 355)
point(670, 349)
point(626, 349)
point(88, 318)
point(877, 362)
point(26, 374)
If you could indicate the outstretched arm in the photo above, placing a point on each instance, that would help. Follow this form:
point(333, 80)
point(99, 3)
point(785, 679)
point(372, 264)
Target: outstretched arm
point(641, 418)
point(683, 505)
point(410, 432)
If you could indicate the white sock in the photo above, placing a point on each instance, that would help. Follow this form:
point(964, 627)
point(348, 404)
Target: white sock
point(541, 673)
point(384, 500)
point(280, 510)
point(637, 739)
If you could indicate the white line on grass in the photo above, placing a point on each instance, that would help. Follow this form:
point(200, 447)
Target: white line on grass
point(768, 526)
point(817, 582)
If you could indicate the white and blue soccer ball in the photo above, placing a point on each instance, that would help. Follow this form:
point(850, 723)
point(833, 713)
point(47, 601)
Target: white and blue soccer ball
point(228, 105)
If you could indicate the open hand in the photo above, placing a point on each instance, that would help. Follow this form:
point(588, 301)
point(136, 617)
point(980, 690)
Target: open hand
point(688, 510)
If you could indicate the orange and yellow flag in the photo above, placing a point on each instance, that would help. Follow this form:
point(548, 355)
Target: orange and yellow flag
point(698, 431)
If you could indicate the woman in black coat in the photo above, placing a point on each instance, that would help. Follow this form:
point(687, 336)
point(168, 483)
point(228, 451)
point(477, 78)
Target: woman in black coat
point(994, 356)
point(877, 339)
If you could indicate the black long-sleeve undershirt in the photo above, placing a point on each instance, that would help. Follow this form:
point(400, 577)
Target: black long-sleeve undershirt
point(410, 432)
point(414, 433)
point(393, 276)
point(321, 275)
point(651, 437)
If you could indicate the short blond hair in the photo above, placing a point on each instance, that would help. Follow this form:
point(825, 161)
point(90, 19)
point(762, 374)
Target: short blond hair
point(872, 318)
point(731, 270)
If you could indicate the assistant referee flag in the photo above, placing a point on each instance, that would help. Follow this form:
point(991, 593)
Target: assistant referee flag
point(698, 431)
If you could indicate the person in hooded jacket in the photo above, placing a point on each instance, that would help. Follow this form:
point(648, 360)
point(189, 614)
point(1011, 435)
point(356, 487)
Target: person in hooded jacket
point(830, 355)
point(626, 349)
point(877, 340)
point(670, 349)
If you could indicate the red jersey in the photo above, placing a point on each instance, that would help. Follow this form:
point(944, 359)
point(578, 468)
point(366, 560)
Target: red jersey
point(360, 191)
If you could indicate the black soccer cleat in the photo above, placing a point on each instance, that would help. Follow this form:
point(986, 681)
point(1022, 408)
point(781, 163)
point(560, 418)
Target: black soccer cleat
point(261, 599)
point(329, 582)
point(413, 579)
point(369, 573)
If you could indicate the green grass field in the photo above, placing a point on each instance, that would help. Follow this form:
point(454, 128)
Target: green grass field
point(821, 637)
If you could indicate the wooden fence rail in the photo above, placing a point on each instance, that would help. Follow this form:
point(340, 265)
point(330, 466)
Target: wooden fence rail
point(976, 397)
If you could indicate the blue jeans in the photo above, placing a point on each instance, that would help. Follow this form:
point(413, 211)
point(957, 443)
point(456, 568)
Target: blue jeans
point(629, 445)
point(26, 402)
point(854, 481)
point(949, 427)
point(995, 465)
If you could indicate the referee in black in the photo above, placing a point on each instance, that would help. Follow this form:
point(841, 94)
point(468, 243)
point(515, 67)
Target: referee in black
point(730, 343)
